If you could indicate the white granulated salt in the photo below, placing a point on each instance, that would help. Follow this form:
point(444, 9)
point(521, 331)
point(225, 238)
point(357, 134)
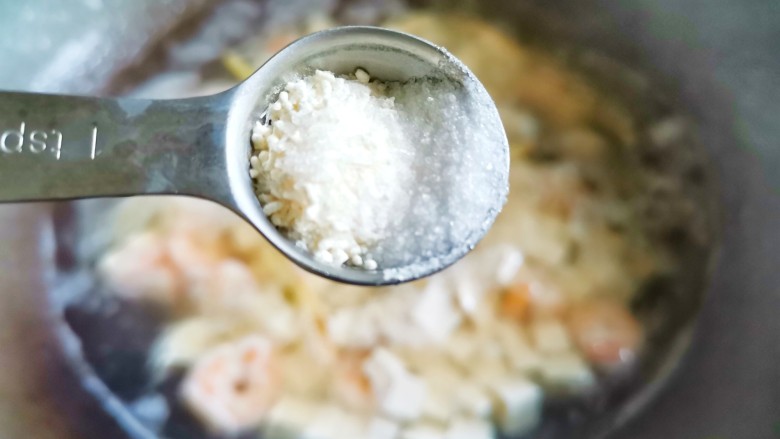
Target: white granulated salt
point(333, 168)
point(371, 174)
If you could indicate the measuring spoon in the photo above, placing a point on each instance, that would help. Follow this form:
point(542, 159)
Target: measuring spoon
point(69, 147)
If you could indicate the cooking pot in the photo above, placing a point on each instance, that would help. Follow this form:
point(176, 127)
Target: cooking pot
point(720, 61)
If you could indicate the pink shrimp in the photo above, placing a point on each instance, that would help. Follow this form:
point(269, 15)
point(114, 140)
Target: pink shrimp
point(350, 385)
point(606, 333)
point(140, 268)
point(232, 387)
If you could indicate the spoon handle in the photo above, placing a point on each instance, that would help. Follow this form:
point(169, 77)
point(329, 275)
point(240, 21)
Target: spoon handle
point(63, 147)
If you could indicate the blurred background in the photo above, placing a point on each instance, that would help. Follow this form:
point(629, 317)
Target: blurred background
point(722, 57)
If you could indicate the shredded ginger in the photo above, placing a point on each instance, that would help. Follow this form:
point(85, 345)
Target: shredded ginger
point(333, 166)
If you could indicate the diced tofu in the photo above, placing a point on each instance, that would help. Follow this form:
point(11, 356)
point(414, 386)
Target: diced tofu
point(332, 422)
point(519, 353)
point(448, 391)
point(400, 394)
point(384, 366)
point(404, 399)
point(567, 372)
point(469, 291)
point(487, 371)
point(282, 326)
point(353, 328)
point(271, 313)
point(467, 348)
point(285, 419)
point(435, 312)
point(438, 407)
point(508, 261)
point(518, 406)
point(462, 347)
point(442, 382)
point(477, 277)
point(298, 375)
point(550, 336)
point(541, 237)
point(423, 431)
point(398, 331)
point(393, 319)
point(380, 428)
point(473, 400)
point(429, 362)
point(470, 429)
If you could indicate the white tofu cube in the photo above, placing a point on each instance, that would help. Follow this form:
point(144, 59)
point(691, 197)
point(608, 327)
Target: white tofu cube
point(465, 348)
point(288, 417)
point(400, 394)
point(434, 311)
point(462, 347)
point(508, 262)
point(442, 383)
point(353, 328)
point(383, 366)
point(392, 314)
point(519, 353)
point(473, 400)
point(469, 290)
point(470, 429)
point(298, 376)
point(404, 399)
point(332, 422)
point(423, 431)
point(567, 372)
point(438, 407)
point(518, 406)
point(380, 428)
point(274, 315)
point(489, 371)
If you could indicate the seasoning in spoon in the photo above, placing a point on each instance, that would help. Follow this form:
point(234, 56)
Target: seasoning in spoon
point(373, 174)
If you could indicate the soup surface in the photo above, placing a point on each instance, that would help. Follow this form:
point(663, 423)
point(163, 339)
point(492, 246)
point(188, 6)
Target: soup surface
point(542, 311)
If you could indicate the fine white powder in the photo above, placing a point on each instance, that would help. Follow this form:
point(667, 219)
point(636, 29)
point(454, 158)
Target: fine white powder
point(333, 167)
point(373, 174)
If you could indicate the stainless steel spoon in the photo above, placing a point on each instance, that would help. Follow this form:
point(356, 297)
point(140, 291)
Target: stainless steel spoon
point(67, 147)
